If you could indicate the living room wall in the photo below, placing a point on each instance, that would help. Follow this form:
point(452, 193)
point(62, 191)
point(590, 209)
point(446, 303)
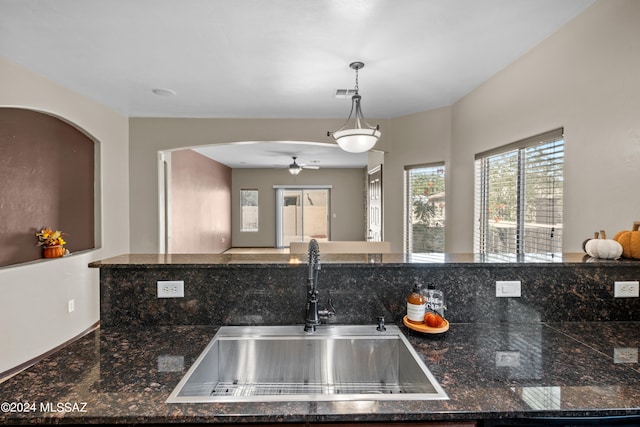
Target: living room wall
point(200, 204)
point(35, 295)
point(583, 78)
point(347, 218)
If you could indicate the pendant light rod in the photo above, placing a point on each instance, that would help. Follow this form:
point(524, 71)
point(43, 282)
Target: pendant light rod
point(357, 66)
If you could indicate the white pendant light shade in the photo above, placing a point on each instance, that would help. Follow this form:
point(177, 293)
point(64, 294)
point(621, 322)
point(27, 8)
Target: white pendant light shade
point(357, 140)
point(356, 135)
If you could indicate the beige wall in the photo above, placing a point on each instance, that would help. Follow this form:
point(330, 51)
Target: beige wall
point(415, 139)
point(585, 78)
point(200, 204)
point(33, 307)
point(347, 201)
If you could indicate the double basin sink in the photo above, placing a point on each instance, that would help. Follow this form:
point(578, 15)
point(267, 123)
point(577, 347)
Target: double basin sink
point(284, 363)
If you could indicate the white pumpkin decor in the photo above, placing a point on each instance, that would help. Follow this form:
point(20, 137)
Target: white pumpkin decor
point(603, 248)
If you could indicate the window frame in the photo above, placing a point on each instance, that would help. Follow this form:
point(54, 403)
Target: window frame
point(408, 235)
point(242, 211)
point(536, 151)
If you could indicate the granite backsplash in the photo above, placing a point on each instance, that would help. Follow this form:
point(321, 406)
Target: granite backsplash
point(276, 293)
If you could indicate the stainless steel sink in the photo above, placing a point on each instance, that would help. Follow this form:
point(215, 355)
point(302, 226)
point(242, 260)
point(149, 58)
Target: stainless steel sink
point(284, 363)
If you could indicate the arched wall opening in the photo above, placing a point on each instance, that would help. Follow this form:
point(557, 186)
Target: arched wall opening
point(48, 172)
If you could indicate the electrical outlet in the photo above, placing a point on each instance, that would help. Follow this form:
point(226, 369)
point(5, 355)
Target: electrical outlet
point(507, 359)
point(508, 288)
point(170, 288)
point(628, 289)
point(71, 305)
point(625, 355)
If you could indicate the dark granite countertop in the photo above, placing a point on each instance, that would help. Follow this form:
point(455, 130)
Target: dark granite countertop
point(351, 260)
point(550, 369)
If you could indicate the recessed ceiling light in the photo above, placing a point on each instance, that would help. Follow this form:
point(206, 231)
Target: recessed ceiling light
point(163, 92)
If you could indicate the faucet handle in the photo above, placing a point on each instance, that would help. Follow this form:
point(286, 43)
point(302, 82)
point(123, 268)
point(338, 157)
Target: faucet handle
point(381, 327)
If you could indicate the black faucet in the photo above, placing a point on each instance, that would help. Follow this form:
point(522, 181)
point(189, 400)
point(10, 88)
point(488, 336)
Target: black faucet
point(311, 318)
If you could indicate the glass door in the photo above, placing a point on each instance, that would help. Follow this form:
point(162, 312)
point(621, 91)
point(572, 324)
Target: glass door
point(302, 215)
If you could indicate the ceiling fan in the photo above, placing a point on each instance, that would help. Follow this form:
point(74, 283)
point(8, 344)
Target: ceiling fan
point(295, 168)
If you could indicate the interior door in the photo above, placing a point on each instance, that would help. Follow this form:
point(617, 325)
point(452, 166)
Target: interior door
point(374, 202)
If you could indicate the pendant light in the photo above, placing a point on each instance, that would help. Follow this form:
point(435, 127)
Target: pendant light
point(356, 135)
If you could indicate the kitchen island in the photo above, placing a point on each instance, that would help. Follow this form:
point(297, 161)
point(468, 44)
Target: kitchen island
point(566, 347)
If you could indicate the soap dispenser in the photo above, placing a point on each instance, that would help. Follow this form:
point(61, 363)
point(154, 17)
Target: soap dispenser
point(416, 305)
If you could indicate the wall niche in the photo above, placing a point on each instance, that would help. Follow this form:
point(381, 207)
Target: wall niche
point(47, 172)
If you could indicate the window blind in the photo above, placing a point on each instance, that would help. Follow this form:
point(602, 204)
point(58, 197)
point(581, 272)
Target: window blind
point(518, 196)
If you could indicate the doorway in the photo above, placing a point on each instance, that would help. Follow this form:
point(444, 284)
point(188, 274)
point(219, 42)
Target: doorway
point(374, 215)
point(302, 214)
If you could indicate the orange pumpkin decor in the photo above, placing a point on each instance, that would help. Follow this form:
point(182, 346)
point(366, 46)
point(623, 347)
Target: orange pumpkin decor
point(433, 319)
point(54, 251)
point(630, 241)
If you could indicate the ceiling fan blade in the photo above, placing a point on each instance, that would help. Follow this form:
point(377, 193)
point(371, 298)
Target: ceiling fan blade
point(309, 167)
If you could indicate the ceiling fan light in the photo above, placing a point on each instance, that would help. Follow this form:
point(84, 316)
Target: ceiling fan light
point(357, 140)
point(294, 170)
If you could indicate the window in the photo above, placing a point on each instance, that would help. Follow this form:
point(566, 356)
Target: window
point(425, 208)
point(518, 196)
point(248, 210)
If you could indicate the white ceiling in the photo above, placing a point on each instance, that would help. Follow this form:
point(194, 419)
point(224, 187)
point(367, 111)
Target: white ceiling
point(279, 155)
point(274, 58)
